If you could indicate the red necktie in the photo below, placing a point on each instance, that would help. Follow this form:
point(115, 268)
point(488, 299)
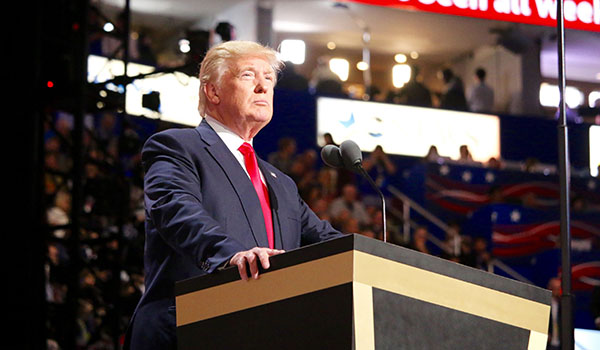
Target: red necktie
point(261, 189)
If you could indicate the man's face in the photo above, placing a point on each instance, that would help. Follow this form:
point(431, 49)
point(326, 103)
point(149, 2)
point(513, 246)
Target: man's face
point(246, 94)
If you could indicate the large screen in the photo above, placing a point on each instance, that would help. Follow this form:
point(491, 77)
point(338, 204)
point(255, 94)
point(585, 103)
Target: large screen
point(178, 91)
point(407, 130)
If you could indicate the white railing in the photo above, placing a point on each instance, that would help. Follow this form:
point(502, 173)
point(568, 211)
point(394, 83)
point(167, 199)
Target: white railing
point(408, 204)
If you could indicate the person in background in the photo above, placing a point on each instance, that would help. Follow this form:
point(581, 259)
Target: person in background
point(291, 80)
point(465, 155)
point(323, 80)
point(414, 93)
point(381, 166)
point(454, 95)
point(419, 241)
point(348, 201)
point(481, 99)
point(283, 158)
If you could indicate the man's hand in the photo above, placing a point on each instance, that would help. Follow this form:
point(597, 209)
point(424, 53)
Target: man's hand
point(251, 257)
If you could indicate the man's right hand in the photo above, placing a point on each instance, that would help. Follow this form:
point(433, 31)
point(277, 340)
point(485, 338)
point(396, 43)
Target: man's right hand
point(251, 258)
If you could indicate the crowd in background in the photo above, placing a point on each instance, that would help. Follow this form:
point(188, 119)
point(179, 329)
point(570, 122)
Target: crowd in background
point(108, 255)
point(109, 250)
point(414, 93)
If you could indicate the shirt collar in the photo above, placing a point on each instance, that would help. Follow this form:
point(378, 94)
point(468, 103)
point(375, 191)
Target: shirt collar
point(230, 138)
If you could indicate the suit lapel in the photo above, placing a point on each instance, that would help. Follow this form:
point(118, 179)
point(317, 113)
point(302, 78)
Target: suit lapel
point(239, 180)
point(275, 191)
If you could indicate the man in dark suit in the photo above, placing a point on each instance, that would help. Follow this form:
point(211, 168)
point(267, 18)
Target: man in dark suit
point(209, 201)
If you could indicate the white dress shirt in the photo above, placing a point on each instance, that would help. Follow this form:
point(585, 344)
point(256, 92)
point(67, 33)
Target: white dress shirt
point(233, 141)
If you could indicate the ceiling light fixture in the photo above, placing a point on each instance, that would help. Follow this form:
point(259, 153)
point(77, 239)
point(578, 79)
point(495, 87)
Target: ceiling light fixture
point(400, 58)
point(293, 50)
point(362, 66)
point(108, 27)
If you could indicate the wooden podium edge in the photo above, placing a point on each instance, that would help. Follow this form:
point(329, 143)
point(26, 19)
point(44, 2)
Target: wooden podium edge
point(270, 287)
point(459, 295)
point(363, 269)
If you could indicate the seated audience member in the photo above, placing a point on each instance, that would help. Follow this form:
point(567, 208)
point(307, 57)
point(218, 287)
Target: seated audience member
point(531, 165)
point(465, 156)
point(379, 164)
point(349, 201)
point(433, 156)
point(328, 139)
point(283, 158)
point(58, 215)
point(453, 240)
point(350, 226)
point(419, 240)
point(494, 163)
point(483, 257)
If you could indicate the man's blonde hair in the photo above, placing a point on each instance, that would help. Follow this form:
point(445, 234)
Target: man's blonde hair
point(219, 59)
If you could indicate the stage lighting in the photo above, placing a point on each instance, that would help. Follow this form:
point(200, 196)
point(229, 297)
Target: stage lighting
point(340, 67)
point(550, 96)
point(184, 45)
point(362, 66)
point(400, 75)
point(400, 58)
point(293, 50)
point(108, 27)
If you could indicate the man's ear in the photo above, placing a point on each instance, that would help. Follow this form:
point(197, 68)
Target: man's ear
point(212, 94)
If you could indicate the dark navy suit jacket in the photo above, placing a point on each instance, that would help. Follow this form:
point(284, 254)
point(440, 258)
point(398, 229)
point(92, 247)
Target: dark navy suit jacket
point(201, 209)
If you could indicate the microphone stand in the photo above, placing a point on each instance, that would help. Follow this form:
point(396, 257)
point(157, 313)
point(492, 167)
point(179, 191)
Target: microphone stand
point(372, 183)
point(567, 340)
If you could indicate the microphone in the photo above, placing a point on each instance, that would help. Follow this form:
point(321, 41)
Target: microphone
point(349, 156)
point(332, 157)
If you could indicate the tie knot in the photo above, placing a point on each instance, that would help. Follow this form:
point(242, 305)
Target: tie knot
point(246, 148)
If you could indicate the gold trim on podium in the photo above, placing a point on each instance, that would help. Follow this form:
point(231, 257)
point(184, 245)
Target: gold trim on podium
point(364, 326)
point(270, 287)
point(455, 294)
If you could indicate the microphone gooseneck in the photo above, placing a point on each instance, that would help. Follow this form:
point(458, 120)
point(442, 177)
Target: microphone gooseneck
point(349, 156)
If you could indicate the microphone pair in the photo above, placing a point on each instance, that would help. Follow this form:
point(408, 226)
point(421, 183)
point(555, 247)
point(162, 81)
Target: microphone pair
point(348, 156)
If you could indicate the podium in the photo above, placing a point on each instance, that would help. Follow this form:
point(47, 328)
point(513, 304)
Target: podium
point(359, 293)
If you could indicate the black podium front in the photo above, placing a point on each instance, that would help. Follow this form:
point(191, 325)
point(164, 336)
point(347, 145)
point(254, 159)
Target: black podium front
point(359, 293)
